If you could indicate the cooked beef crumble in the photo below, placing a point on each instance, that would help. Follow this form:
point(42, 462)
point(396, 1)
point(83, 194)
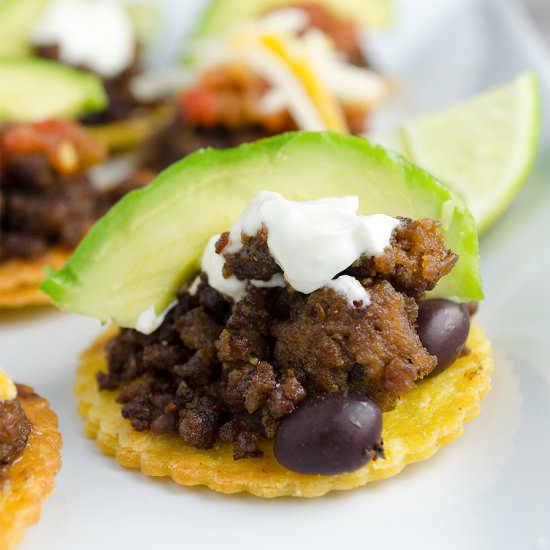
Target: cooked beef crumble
point(252, 261)
point(36, 217)
point(46, 198)
point(14, 431)
point(414, 263)
point(181, 138)
point(219, 370)
point(374, 350)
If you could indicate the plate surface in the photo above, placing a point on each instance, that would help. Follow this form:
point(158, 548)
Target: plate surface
point(490, 489)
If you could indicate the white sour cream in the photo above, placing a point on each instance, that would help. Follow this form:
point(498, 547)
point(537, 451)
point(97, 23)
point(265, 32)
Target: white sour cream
point(149, 321)
point(194, 286)
point(98, 35)
point(276, 281)
point(349, 287)
point(313, 241)
point(212, 265)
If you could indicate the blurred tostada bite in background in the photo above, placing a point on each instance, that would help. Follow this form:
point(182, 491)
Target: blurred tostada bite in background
point(256, 69)
point(106, 39)
point(48, 197)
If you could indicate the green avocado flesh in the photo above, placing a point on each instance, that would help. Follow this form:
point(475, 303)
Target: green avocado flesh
point(36, 89)
point(152, 240)
point(222, 14)
point(16, 20)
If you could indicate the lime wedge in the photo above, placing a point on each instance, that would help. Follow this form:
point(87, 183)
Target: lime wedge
point(484, 148)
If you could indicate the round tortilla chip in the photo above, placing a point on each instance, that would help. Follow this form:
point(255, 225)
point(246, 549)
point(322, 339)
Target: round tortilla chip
point(20, 279)
point(428, 417)
point(26, 483)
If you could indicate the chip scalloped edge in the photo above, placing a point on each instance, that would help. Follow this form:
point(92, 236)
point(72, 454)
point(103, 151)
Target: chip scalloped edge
point(448, 400)
point(31, 478)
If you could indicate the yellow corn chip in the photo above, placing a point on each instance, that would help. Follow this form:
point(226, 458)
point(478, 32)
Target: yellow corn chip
point(30, 479)
point(19, 279)
point(428, 417)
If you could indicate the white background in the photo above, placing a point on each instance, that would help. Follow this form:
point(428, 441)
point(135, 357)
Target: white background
point(490, 489)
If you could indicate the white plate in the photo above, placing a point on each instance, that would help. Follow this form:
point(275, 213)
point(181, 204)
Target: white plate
point(489, 489)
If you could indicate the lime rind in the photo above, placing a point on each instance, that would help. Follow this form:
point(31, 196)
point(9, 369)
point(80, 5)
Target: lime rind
point(454, 145)
point(533, 113)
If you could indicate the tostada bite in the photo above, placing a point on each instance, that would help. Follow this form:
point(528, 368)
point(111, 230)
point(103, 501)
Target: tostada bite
point(47, 200)
point(105, 39)
point(256, 69)
point(30, 445)
point(288, 317)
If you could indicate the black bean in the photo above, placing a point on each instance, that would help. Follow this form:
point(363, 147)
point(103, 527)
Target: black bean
point(443, 328)
point(330, 433)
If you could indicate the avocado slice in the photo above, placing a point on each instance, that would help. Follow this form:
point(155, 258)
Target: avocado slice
point(16, 19)
point(151, 241)
point(221, 14)
point(36, 89)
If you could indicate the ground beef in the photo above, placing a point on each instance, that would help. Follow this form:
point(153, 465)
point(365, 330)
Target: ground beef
point(46, 198)
point(218, 370)
point(416, 260)
point(181, 138)
point(374, 350)
point(204, 374)
point(189, 132)
point(14, 431)
point(245, 436)
point(41, 209)
point(122, 104)
point(253, 261)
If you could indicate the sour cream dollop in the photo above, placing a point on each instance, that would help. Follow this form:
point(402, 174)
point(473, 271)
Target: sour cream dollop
point(311, 241)
point(149, 320)
point(212, 265)
point(352, 290)
point(98, 35)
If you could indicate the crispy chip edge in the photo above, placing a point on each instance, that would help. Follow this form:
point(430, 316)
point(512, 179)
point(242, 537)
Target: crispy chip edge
point(20, 279)
point(468, 380)
point(31, 478)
